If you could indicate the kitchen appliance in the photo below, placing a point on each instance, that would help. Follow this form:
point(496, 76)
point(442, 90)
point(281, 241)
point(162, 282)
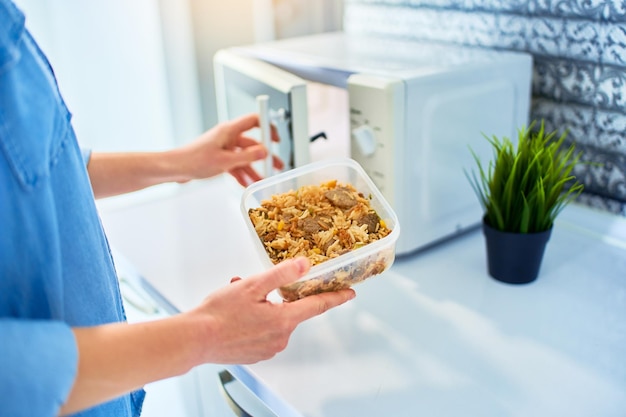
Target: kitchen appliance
point(409, 112)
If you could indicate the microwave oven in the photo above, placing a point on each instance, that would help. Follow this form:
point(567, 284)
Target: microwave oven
point(410, 112)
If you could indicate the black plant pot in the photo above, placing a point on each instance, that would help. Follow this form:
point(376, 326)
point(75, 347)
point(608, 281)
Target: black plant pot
point(514, 258)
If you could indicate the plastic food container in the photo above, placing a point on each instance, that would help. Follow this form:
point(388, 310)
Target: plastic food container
point(349, 268)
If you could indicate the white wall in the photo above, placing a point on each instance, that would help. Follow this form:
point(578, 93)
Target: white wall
point(216, 25)
point(138, 75)
point(303, 17)
point(240, 22)
point(110, 58)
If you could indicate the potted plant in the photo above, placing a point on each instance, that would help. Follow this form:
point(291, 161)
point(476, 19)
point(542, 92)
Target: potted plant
point(522, 191)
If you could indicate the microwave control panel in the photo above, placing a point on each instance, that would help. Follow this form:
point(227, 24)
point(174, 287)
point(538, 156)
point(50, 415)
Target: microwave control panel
point(376, 121)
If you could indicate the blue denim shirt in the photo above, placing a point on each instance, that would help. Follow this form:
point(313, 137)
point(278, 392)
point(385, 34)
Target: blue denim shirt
point(56, 269)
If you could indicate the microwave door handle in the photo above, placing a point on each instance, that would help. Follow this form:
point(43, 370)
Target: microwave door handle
point(266, 134)
point(320, 135)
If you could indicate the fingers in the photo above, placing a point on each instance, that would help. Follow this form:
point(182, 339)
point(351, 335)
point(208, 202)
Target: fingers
point(246, 141)
point(274, 132)
point(284, 273)
point(245, 175)
point(245, 123)
point(250, 121)
point(243, 158)
point(314, 305)
point(253, 151)
point(257, 151)
point(291, 270)
point(250, 150)
point(239, 177)
point(277, 162)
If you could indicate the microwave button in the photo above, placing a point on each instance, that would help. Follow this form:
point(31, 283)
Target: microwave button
point(365, 139)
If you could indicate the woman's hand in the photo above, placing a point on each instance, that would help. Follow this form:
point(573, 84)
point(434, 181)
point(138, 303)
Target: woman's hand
point(234, 325)
point(226, 148)
point(242, 326)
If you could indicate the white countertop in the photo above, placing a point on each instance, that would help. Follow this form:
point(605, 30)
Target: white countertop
point(434, 335)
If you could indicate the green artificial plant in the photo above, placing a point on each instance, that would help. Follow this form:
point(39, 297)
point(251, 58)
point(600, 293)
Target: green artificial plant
point(526, 186)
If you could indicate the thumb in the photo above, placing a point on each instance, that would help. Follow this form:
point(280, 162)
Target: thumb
point(284, 273)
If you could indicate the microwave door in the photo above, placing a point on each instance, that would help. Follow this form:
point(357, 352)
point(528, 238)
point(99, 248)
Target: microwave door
point(241, 80)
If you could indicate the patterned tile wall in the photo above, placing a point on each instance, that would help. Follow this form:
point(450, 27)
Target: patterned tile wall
point(579, 78)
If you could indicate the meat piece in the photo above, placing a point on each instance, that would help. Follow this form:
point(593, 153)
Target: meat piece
point(309, 225)
point(341, 197)
point(269, 236)
point(371, 219)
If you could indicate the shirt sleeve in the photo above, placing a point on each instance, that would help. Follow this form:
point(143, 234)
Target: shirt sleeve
point(39, 361)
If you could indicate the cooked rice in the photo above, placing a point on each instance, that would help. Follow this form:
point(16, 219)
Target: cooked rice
point(320, 222)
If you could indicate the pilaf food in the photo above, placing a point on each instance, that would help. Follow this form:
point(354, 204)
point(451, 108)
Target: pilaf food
point(321, 222)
